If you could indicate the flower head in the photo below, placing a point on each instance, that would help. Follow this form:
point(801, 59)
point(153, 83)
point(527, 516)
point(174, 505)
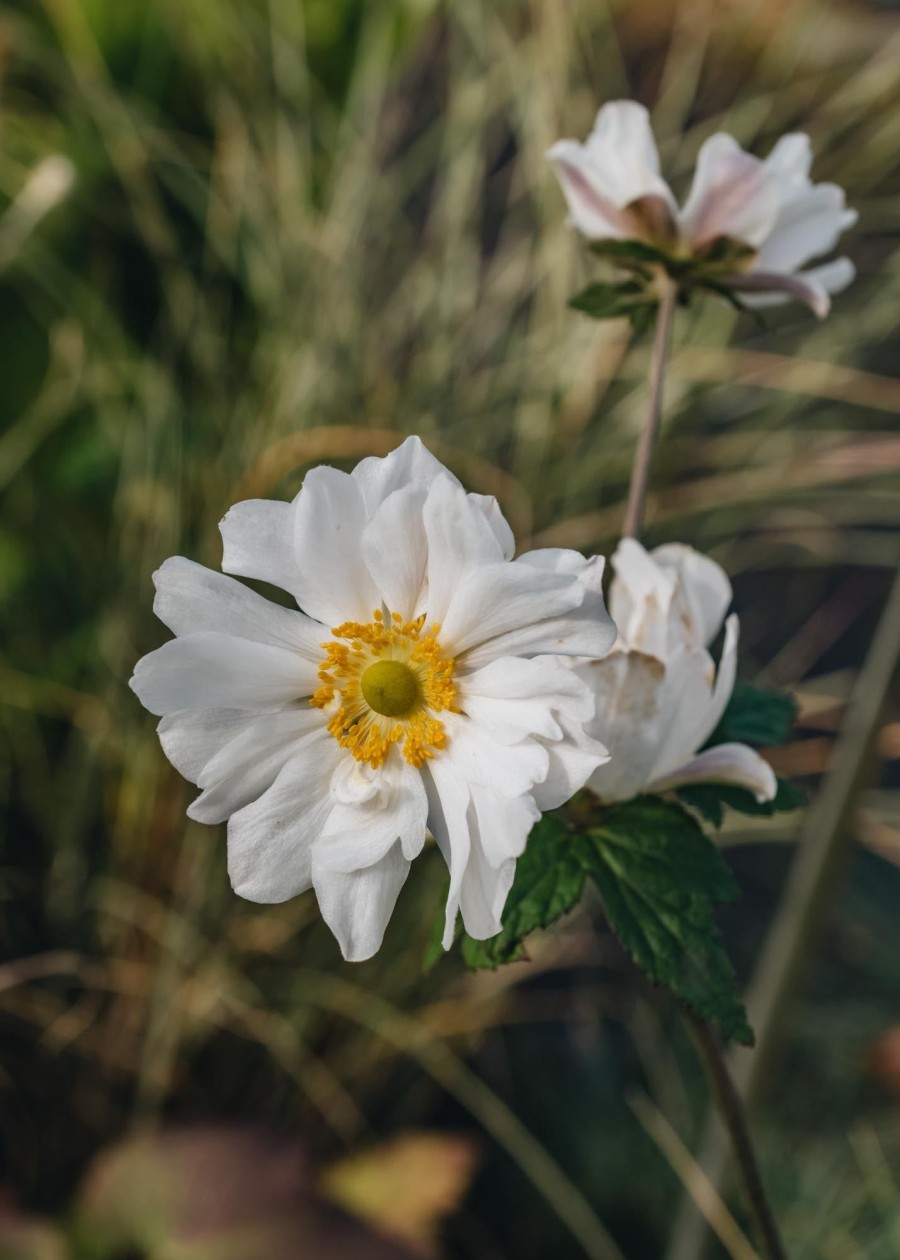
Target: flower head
point(748, 225)
point(659, 694)
point(420, 686)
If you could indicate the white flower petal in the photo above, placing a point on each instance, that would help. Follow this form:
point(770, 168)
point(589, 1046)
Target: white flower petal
point(832, 276)
point(502, 599)
point(640, 598)
point(490, 508)
point(358, 905)
point(514, 699)
point(191, 598)
point(726, 675)
point(258, 542)
point(622, 146)
point(725, 763)
point(355, 782)
point(809, 224)
point(411, 464)
point(588, 570)
point(534, 613)
point(396, 551)
point(733, 194)
point(617, 166)
point(483, 867)
point(483, 892)
point(512, 769)
point(689, 709)
point(192, 737)
point(814, 287)
point(449, 797)
point(334, 585)
point(270, 841)
point(503, 826)
point(361, 833)
point(215, 671)
point(461, 540)
point(703, 587)
point(574, 759)
point(249, 763)
point(629, 718)
point(692, 703)
point(791, 160)
point(666, 598)
point(592, 211)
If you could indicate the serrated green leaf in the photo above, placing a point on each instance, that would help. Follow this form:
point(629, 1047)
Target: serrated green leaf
point(658, 876)
point(549, 881)
point(756, 717)
point(711, 799)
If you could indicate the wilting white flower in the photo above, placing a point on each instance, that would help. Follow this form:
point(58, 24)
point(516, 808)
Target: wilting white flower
point(422, 685)
point(614, 191)
point(659, 694)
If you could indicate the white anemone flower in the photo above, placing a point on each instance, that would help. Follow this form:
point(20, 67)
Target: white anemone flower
point(614, 191)
point(422, 685)
point(659, 693)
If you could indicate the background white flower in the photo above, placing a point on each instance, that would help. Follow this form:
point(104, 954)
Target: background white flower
point(614, 191)
point(421, 685)
point(659, 694)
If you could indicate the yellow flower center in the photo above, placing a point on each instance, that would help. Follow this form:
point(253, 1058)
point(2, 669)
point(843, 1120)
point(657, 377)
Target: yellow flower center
point(383, 683)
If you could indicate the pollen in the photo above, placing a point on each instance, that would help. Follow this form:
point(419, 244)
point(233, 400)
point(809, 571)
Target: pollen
point(383, 683)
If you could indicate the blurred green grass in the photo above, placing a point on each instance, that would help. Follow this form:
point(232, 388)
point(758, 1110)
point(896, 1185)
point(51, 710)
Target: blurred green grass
point(297, 230)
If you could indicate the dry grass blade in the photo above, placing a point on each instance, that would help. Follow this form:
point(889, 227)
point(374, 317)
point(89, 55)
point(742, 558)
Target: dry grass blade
point(695, 1181)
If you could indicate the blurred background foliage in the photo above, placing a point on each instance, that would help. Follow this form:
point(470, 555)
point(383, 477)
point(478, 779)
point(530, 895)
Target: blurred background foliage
point(298, 230)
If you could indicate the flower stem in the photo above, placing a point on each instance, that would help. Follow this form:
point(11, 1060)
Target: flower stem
point(724, 1091)
point(640, 472)
point(734, 1117)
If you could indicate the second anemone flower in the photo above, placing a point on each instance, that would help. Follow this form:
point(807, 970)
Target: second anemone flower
point(659, 693)
point(748, 226)
point(421, 686)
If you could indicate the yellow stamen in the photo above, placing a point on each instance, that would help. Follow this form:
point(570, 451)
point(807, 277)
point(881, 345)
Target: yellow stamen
point(385, 680)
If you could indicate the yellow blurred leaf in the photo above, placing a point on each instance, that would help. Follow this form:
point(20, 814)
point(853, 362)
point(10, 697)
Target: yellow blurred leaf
point(407, 1186)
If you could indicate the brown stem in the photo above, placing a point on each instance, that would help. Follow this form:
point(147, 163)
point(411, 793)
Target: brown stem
point(734, 1117)
point(640, 472)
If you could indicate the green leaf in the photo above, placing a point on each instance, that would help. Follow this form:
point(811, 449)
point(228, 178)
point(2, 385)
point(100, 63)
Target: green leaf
point(711, 799)
point(549, 881)
point(755, 716)
point(658, 876)
point(730, 296)
point(726, 255)
point(630, 252)
point(614, 301)
point(643, 317)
